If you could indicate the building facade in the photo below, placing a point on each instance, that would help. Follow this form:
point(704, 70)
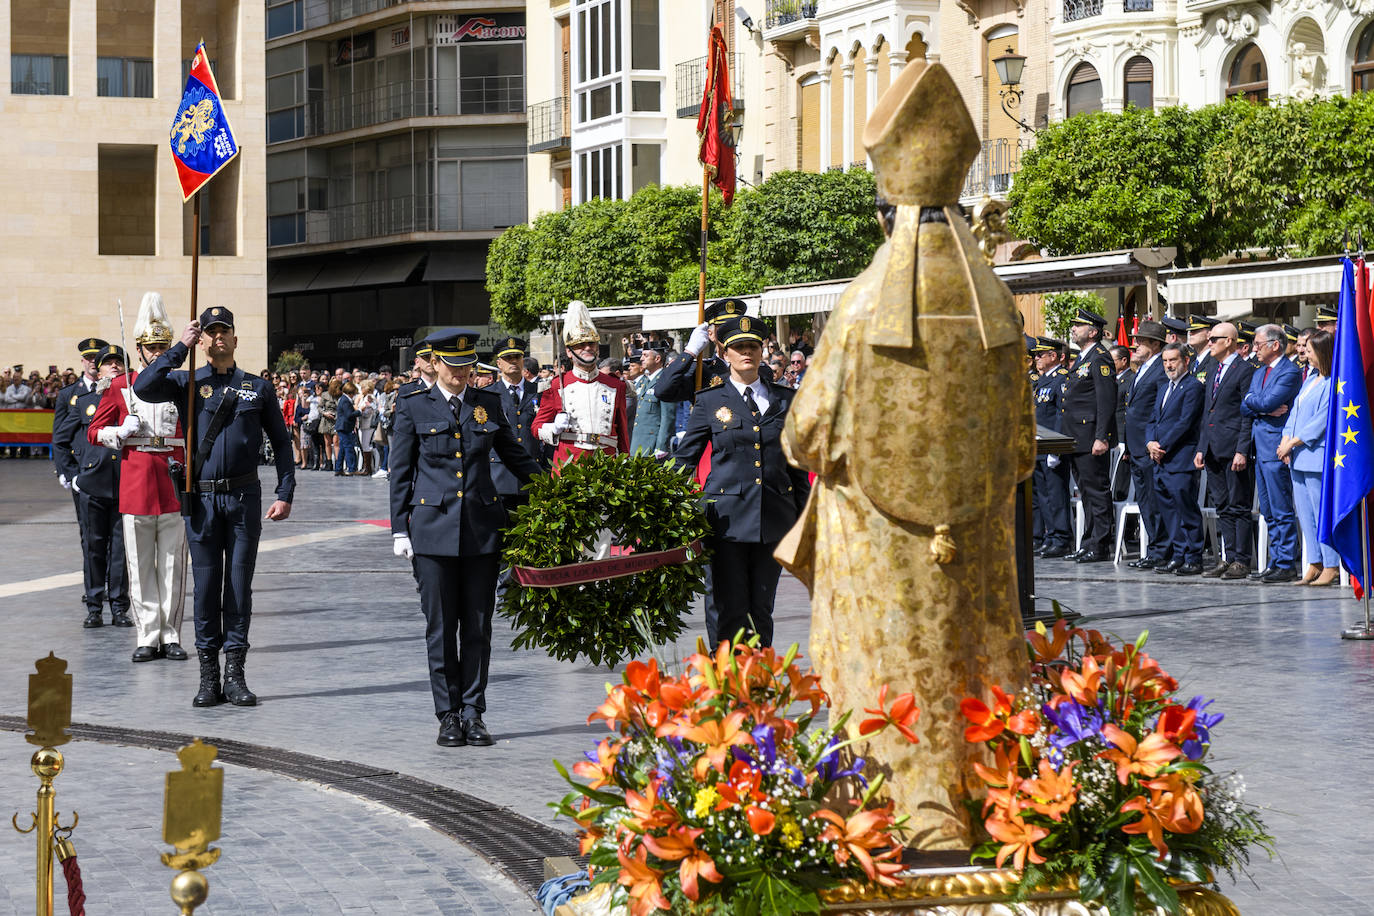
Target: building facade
point(93, 209)
point(395, 154)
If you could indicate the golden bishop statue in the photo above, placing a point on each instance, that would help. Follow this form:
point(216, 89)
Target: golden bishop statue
point(916, 418)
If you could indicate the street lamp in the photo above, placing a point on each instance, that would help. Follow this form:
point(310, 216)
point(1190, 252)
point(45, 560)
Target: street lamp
point(1010, 66)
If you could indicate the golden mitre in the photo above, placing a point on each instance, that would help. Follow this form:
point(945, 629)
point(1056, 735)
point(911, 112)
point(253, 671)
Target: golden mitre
point(921, 138)
point(922, 141)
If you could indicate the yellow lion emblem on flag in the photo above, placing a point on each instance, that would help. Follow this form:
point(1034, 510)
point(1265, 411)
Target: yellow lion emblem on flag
point(194, 123)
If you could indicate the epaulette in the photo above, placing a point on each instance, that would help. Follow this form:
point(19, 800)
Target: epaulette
point(1061, 371)
point(405, 394)
point(711, 384)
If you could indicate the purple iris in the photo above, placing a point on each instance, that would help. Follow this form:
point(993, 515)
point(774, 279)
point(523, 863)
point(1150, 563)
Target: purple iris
point(828, 767)
point(1073, 723)
point(766, 748)
point(1194, 748)
point(669, 758)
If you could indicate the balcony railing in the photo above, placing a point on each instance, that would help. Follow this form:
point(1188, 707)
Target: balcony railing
point(782, 12)
point(992, 172)
point(468, 95)
point(548, 126)
point(1139, 6)
point(478, 211)
point(1075, 10)
point(320, 12)
point(691, 82)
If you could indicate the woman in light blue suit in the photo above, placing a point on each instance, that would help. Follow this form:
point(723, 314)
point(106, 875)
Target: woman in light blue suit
point(1303, 449)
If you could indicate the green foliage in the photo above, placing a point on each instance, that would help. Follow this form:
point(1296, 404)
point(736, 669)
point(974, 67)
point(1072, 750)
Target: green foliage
point(288, 361)
point(1060, 307)
point(643, 503)
point(796, 227)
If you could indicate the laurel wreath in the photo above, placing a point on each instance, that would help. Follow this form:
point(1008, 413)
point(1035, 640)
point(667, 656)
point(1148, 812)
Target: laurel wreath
point(643, 503)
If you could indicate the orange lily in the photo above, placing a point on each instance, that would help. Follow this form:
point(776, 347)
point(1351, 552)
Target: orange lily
point(718, 736)
point(643, 677)
point(619, 708)
point(742, 785)
point(1083, 685)
point(806, 688)
point(646, 812)
point(1018, 839)
point(858, 836)
point(1176, 723)
point(902, 716)
point(680, 846)
point(602, 772)
point(588, 840)
point(1052, 794)
point(1146, 758)
point(987, 722)
point(1047, 650)
point(646, 891)
point(1173, 805)
point(1003, 783)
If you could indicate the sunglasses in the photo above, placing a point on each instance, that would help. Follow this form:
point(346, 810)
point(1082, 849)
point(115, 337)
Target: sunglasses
point(1219, 337)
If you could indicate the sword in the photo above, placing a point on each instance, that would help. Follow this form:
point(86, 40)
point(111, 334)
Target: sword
point(124, 342)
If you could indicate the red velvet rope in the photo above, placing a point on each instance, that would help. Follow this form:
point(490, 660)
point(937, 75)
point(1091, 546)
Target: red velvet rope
point(76, 894)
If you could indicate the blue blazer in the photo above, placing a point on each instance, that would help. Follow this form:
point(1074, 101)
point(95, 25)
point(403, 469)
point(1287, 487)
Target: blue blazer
point(1307, 421)
point(1141, 397)
point(1175, 425)
point(346, 416)
point(1281, 387)
point(507, 484)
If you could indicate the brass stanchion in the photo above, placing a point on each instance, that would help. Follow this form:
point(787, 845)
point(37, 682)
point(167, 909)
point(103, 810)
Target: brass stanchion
point(191, 822)
point(50, 712)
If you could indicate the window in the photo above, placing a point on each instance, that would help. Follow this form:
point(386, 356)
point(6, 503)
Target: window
point(285, 94)
point(1362, 73)
point(124, 78)
point(38, 74)
point(491, 78)
point(493, 195)
point(644, 165)
point(1140, 82)
point(600, 173)
point(644, 35)
point(38, 47)
point(1249, 75)
point(297, 183)
point(645, 95)
point(284, 17)
point(1085, 91)
point(217, 24)
point(127, 191)
point(598, 53)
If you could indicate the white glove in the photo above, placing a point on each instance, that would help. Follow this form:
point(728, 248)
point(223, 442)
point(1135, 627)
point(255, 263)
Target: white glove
point(116, 436)
point(400, 546)
point(660, 454)
point(62, 479)
point(561, 422)
point(699, 340)
point(130, 425)
point(76, 486)
point(1052, 461)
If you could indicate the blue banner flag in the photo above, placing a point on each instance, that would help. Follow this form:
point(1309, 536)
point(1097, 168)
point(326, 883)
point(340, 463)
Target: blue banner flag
point(201, 140)
point(1349, 475)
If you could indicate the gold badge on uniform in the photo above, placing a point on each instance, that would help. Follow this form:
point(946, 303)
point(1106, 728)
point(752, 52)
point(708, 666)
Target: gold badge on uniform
point(724, 415)
point(73, 400)
point(1105, 370)
point(744, 324)
point(715, 380)
point(206, 391)
point(479, 414)
point(90, 410)
point(214, 313)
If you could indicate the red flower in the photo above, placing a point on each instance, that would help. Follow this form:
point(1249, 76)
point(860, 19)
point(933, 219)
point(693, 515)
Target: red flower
point(680, 844)
point(987, 723)
point(1018, 840)
point(902, 716)
point(646, 891)
point(1176, 723)
point(761, 820)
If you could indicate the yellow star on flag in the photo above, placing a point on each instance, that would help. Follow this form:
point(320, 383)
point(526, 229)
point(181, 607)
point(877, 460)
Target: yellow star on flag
point(1351, 409)
point(1349, 435)
point(1340, 386)
point(1338, 461)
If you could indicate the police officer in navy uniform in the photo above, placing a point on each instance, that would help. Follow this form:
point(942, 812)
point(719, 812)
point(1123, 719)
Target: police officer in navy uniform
point(678, 381)
point(1050, 484)
point(1088, 412)
point(64, 431)
point(446, 514)
point(753, 496)
point(421, 357)
point(519, 403)
point(1200, 359)
point(97, 481)
point(234, 410)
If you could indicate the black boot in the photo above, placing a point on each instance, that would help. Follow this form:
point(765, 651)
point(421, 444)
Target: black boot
point(209, 694)
point(235, 687)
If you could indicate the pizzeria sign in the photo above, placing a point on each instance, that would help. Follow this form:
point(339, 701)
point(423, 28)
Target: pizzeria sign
point(452, 30)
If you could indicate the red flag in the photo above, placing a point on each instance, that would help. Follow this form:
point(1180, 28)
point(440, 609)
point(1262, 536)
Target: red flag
point(1135, 324)
point(1365, 326)
point(717, 152)
point(1121, 337)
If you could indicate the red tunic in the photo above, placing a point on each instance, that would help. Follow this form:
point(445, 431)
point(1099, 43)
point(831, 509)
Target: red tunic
point(145, 487)
point(551, 405)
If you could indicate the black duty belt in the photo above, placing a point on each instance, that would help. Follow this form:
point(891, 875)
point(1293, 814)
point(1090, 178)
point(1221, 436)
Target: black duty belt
point(227, 484)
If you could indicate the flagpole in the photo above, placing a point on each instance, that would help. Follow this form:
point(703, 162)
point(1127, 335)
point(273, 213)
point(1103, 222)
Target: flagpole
point(701, 280)
point(189, 421)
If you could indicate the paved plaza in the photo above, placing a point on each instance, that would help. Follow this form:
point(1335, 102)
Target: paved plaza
point(338, 663)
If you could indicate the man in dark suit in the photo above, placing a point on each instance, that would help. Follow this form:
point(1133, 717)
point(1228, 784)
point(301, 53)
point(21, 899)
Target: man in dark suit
point(1172, 434)
point(1223, 450)
point(1140, 398)
point(448, 517)
point(1267, 402)
point(519, 402)
point(1088, 414)
point(1125, 377)
point(1050, 484)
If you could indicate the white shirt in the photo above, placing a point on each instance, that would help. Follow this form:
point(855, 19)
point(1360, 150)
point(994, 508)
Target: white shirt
point(760, 393)
point(1143, 369)
point(1225, 363)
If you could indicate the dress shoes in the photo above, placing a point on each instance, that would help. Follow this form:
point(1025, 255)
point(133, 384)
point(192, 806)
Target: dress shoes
point(1167, 568)
point(92, 620)
point(1214, 572)
point(1189, 569)
point(1091, 556)
point(1281, 574)
point(1144, 563)
point(1260, 574)
point(476, 733)
point(1075, 554)
point(1039, 549)
point(1050, 553)
point(451, 732)
point(174, 651)
point(121, 619)
point(1236, 570)
point(145, 653)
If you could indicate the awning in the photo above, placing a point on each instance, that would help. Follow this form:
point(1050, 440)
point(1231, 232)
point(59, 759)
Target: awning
point(801, 298)
point(390, 267)
point(462, 265)
point(340, 272)
point(1295, 279)
point(291, 276)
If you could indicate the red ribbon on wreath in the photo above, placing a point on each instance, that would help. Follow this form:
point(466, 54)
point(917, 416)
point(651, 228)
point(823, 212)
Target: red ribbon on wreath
point(595, 570)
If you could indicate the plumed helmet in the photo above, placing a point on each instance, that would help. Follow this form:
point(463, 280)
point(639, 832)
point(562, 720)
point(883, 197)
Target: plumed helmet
point(577, 326)
point(153, 325)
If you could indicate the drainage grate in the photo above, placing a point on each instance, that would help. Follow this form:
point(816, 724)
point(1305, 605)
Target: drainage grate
point(512, 842)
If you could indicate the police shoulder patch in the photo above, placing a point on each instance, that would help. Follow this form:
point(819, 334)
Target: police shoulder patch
point(1105, 370)
point(73, 402)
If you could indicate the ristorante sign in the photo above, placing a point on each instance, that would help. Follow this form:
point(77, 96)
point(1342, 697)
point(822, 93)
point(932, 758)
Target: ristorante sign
point(452, 30)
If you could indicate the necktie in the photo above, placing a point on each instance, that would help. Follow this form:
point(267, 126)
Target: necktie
point(753, 405)
point(1217, 382)
point(1265, 380)
point(514, 396)
point(1168, 394)
point(455, 404)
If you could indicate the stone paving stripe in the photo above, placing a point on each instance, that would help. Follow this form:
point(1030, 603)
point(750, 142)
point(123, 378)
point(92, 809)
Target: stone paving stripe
point(515, 844)
point(62, 580)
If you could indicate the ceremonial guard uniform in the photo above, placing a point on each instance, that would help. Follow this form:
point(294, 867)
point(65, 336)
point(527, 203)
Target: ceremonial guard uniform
point(654, 418)
point(584, 409)
point(151, 440)
point(753, 496)
point(234, 410)
point(448, 517)
point(1050, 485)
point(63, 433)
point(1088, 412)
point(97, 480)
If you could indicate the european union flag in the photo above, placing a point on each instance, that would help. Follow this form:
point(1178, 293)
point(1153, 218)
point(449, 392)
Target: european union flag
point(202, 142)
point(1349, 476)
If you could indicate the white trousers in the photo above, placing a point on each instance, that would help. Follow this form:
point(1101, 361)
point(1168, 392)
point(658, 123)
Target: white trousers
point(155, 546)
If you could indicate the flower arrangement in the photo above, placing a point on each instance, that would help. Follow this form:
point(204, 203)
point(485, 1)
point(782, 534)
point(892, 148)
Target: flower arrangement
point(713, 796)
point(1100, 772)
